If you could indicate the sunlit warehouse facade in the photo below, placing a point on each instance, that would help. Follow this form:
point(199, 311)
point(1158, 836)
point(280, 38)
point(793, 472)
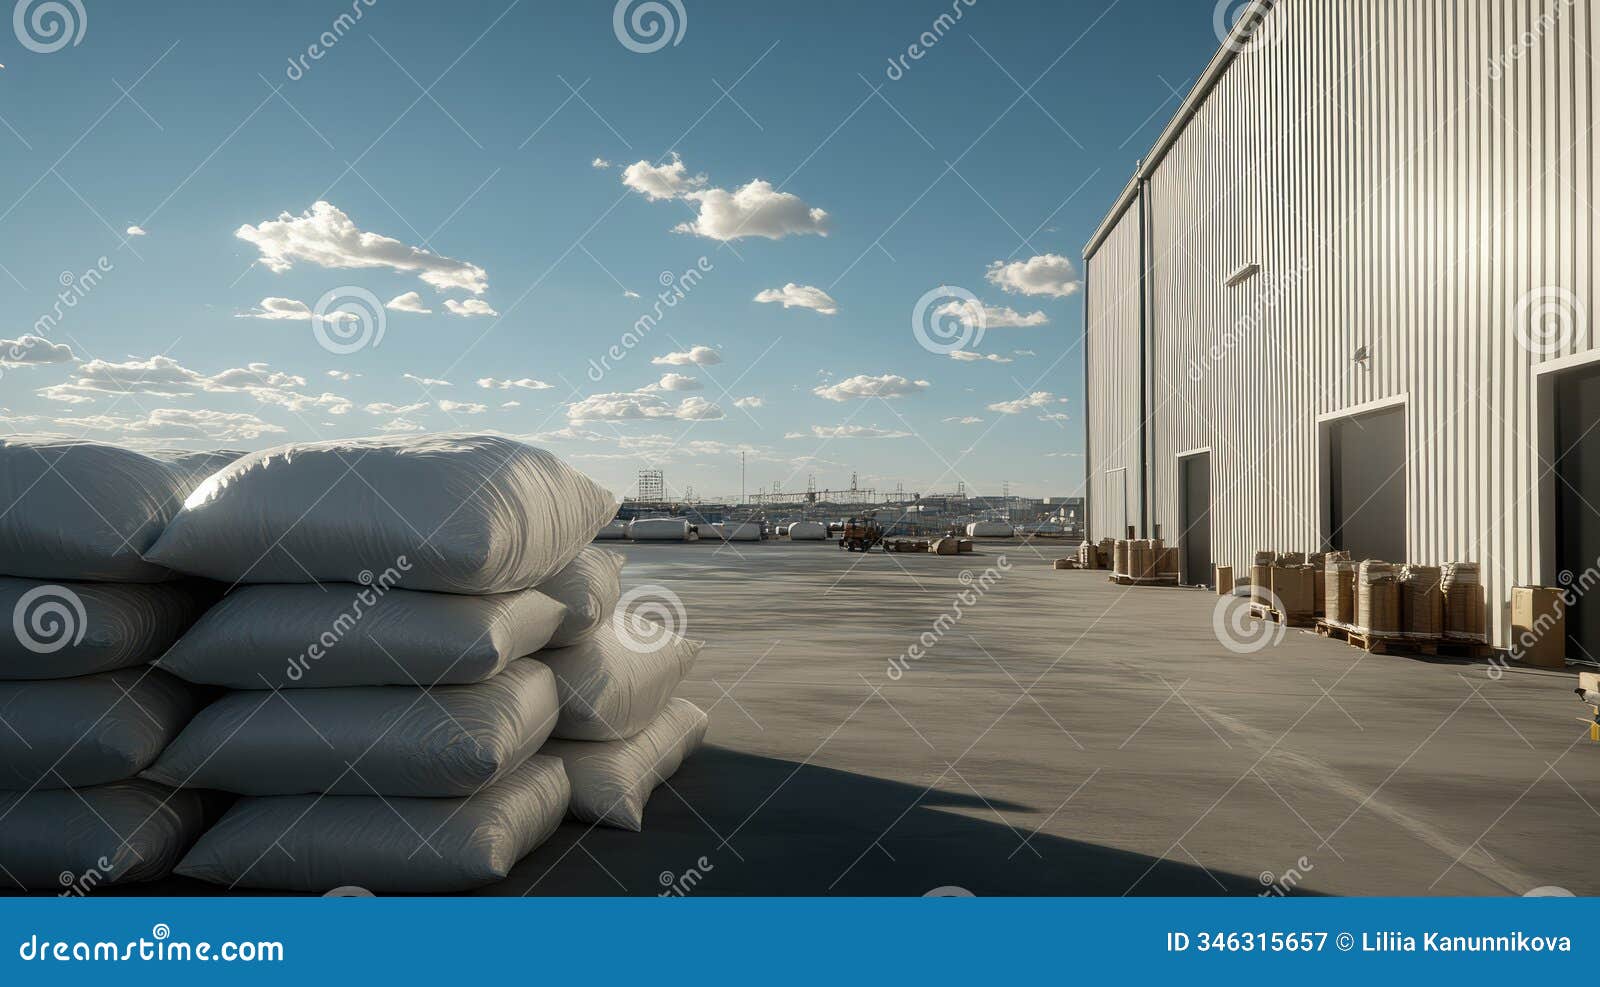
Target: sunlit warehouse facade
point(1347, 299)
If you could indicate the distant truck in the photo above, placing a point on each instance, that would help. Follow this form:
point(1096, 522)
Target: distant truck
point(860, 535)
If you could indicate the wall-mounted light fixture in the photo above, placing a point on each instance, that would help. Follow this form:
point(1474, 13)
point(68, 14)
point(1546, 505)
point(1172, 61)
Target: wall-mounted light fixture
point(1243, 274)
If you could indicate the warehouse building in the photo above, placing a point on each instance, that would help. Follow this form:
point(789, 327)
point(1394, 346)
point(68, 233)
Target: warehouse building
point(1346, 300)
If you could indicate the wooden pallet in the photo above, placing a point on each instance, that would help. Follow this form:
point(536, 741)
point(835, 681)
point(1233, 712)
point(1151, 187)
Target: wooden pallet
point(1261, 612)
point(1333, 629)
point(1389, 644)
point(1171, 579)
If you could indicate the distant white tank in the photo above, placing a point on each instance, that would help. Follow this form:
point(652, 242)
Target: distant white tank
point(659, 529)
point(745, 531)
point(612, 531)
point(989, 529)
point(808, 531)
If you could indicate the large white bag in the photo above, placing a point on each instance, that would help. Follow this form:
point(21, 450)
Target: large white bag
point(111, 834)
point(452, 513)
point(589, 586)
point(393, 846)
point(808, 531)
point(195, 466)
point(64, 629)
point(379, 740)
point(309, 637)
point(89, 730)
point(611, 687)
point(658, 529)
point(82, 510)
point(612, 781)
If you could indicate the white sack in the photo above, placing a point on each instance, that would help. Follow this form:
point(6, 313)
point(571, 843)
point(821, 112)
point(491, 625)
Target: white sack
point(89, 730)
point(63, 629)
point(744, 531)
point(111, 834)
point(611, 687)
point(394, 846)
point(612, 781)
point(808, 531)
point(613, 531)
point(195, 467)
point(467, 513)
point(306, 637)
point(449, 742)
point(989, 529)
point(589, 587)
point(82, 510)
point(658, 529)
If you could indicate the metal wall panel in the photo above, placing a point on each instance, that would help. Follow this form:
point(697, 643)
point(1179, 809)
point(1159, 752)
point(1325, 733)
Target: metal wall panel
point(1112, 369)
point(1406, 173)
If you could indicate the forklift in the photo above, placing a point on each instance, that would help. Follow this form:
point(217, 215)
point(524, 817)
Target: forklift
point(860, 535)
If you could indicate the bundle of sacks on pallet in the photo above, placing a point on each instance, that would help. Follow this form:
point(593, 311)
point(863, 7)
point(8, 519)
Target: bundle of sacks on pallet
point(83, 710)
point(385, 724)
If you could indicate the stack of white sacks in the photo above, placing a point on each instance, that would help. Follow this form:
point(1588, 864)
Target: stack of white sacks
point(385, 719)
point(83, 712)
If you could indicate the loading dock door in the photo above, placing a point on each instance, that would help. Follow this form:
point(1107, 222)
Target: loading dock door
point(1367, 485)
point(1577, 438)
point(1194, 509)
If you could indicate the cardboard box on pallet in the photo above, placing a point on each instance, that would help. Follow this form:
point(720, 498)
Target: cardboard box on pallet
point(1463, 602)
point(1339, 600)
point(1261, 578)
point(1421, 601)
point(1377, 598)
point(1294, 588)
point(1539, 625)
point(1224, 580)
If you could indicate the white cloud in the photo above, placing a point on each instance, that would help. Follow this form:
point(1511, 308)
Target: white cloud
point(749, 402)
point(510, 404)
point(668, 181)
point(181, 423)
point(384, 408)
point(1023, 353)
point(137, 230)
point(967, 356)
point(29, 350)
point(865, 386)
point(468, 308)
point(599, 163)
point(408, 302)
point(848, 432)
point(1046, 274)
point(273, 307)
point(462, 407)
point(1038, 399)
point(700, 356)
point(325, 236)
point(629, 293)
point(973, 312)
point(401, 425)
point(755, 209)
point(638, 406)
point(524, 383)
point(427, 381)
point(966, 420)
point(162, 376)
point(1055, 416)
point(801, 296)
point(342, 375)
point(678, 382)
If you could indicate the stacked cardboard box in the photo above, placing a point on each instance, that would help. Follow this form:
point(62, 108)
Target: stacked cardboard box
point(1463, 602)
point(1339, 597)
point(1421, 602)
point(1377, 598)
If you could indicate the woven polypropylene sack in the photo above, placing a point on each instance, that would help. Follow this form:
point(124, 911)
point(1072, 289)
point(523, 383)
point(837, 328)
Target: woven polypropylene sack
point(194, 467)
point(307, 637)
point(76, 841)
point(612, 686)
point(69, 733)
point(59, 630)
point(82, 510)
point(612, 781)
point(394, 846)
point(589, 587)
point(452, 513)
point(379, 740)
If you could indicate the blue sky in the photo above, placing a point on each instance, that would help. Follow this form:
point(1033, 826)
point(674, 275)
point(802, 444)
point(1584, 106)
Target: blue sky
point(478, 153)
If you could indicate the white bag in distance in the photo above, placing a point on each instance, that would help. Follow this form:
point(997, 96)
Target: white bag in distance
point(82, 510)
point(612, 781)
point(120, 833)
point(589, 587)
point(612, 687)
point(394, 846)
point(658, 529)
point(808, 531)
point(467, 513)
point(309, 637)
point(990, 529)
point(443, 743)
point(89, 730)
point(68, 628)
point(614, 531)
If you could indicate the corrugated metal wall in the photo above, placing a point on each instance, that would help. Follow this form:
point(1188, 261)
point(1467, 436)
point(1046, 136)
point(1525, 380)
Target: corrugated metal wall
point(1405, 172)
point(1113, 379)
